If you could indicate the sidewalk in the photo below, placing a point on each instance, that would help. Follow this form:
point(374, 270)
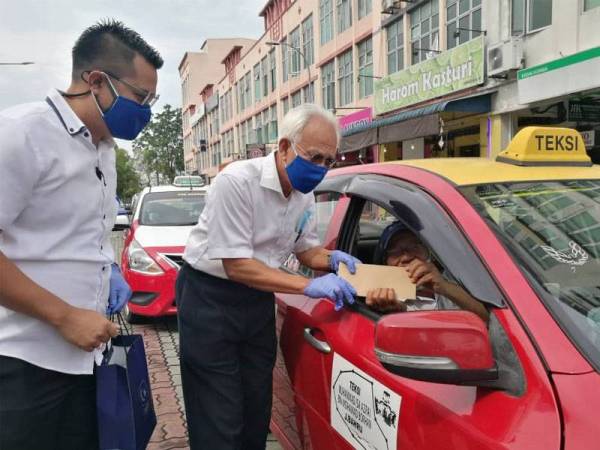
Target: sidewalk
point(161, 340)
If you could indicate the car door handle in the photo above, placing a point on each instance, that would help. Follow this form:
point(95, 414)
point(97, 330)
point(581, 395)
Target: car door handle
point(322, 346)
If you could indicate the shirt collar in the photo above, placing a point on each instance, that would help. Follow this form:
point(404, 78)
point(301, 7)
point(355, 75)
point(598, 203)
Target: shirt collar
point(270, 178)
point(72, 123)
point(66, 115)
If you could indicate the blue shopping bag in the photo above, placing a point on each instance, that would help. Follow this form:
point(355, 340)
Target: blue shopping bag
point(126, 417)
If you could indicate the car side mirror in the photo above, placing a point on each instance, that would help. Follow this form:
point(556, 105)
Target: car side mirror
point(450, 347)
point(121, 223)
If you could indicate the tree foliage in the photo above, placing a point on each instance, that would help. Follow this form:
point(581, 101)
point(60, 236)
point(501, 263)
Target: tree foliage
point(128, 180)
point(159, 148)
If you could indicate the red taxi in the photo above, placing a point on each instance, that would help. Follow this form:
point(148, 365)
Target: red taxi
point(163, 217)
point(522, 235)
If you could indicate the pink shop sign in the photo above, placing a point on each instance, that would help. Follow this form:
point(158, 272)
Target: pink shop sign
point(356, 119)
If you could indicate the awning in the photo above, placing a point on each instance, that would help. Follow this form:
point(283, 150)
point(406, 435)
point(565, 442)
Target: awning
point(413, 123)
point(357, 141)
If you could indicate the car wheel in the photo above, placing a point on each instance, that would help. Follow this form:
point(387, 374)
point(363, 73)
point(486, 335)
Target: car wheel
point(130, 317)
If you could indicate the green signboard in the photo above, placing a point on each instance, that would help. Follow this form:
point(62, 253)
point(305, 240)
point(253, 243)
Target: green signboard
point(453, 70)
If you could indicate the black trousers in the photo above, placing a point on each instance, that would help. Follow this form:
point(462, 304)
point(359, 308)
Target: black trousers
point(228, 350)
point(42, 409)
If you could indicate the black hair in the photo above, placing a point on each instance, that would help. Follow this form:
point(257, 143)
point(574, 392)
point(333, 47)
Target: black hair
point(110, 45)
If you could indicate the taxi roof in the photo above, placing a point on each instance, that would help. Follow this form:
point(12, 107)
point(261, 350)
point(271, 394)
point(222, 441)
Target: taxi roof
point(467, 171)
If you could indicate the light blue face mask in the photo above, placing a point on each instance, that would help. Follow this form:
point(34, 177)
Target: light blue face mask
point(304, 175)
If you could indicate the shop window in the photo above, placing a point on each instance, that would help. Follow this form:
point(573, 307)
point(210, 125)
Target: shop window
point(590, 4)
point(395, 46)
point(345, 79)
point(257, 84)
point(266, 119)
point(326, 20)
point(365, 68)
point(307, 41)
point(464, 21)
point(424, 33)
point(273, 69)
point(294, 52)
point(285, 104)
point(308, 93)
point(264, 73)
point(364, 8)
point(273, 125)
point(530, 15)
point(285, 53)
point(258, 129)
point(344, 15)
point(328, 85)
point(296, 98)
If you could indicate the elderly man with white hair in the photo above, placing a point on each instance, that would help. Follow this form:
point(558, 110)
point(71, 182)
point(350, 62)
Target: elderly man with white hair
point(257, 212)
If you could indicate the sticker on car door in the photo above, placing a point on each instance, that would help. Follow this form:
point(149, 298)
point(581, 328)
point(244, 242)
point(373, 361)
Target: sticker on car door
point(363, 411)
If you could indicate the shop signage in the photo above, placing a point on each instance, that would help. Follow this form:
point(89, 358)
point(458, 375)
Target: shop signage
point(453, 70)
point(354, 120)
point(574, 73)
point(255, 151)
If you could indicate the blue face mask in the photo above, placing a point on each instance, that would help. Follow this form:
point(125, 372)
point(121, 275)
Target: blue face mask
point(125, 118)
point(303, 174)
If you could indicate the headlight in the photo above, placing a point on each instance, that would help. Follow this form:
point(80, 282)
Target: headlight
point(140, 261)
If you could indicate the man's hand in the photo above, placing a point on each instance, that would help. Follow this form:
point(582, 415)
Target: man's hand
point(337, 256)
point(86, 329)
point(384, 300)
point(424, 273)
point(332, 287)
point(120, 292)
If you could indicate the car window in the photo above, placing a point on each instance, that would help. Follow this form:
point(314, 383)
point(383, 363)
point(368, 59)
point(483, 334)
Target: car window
point(373, 221)
point(553, 230)
point(176, 208)
point(325, 204)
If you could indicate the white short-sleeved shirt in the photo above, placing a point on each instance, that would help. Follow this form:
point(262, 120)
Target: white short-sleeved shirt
point(247, 216)
point(57, 209)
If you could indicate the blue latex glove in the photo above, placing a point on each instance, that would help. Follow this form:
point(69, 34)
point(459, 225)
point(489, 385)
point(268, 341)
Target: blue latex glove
point(120, 292)
point(332, 287)
point(337, 257)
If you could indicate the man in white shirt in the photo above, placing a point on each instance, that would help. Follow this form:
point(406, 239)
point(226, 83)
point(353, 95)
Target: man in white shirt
point(257, 212)
point(57, 209)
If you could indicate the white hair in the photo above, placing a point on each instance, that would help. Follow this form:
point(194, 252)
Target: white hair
point(296, 119)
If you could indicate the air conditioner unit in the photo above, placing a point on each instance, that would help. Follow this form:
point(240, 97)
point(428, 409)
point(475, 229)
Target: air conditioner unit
point(504, 57)
point(390, 6)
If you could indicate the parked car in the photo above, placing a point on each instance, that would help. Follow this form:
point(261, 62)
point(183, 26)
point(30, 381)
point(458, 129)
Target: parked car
point(521, 234)
point(161, 222)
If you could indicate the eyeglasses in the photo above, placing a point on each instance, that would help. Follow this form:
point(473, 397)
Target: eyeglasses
point(317, 158)
point(147, 98)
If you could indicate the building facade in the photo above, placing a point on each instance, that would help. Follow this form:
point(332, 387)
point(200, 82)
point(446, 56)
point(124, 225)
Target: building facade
point(196, 70)
point(428, 78)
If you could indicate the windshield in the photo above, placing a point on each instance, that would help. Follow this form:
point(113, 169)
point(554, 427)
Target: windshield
point(553, 230)
point(172, 208)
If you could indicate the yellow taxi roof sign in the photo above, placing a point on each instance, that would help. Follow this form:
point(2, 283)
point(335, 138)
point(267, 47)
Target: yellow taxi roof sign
point(546, 146)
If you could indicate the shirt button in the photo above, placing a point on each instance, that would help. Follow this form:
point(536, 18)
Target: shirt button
point(103, 269)
point(104, 216)
point(86, 134)
point(71, 129)
point(101, 247)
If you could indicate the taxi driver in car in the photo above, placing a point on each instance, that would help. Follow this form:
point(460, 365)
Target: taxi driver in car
point(400, 247)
